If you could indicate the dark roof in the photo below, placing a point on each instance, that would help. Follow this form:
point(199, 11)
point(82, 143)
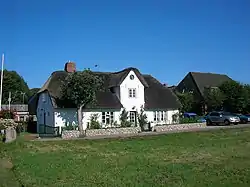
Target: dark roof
point(204, 80)
point(156, 95)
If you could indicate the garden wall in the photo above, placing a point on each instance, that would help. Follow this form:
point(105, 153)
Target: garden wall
point(178, 127)
point(70, 134)
point(112, 131)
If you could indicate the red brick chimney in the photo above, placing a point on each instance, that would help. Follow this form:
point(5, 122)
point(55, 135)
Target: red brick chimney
point(70, 67)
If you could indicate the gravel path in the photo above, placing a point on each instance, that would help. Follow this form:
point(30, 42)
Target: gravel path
point(209, 128)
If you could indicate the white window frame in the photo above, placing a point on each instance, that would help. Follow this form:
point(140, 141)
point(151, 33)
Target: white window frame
point(132, 92)
point(160, 116)
point(107, 117)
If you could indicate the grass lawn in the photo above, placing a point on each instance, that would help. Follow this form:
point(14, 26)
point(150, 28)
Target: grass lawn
point(217, 158)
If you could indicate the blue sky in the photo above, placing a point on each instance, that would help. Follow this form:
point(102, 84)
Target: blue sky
point(165, 38)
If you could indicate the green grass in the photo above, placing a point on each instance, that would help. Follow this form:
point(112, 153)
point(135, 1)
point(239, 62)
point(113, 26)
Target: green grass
point(218, 158)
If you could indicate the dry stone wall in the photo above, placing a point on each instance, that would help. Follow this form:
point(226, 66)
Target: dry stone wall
point(70, 134)
point(179, 127)
point(112, 131)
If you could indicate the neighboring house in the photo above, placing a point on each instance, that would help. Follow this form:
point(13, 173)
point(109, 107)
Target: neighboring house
point(128, 89)
point(197, 82)
point(21, 111)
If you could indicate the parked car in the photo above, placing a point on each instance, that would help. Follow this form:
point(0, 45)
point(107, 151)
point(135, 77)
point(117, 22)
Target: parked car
point(194, 116)
point(218, 117)
point(243, 118)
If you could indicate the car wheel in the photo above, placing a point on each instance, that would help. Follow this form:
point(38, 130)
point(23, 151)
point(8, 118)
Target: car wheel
point(235, 123)
point(244, 121)
point(226, 122)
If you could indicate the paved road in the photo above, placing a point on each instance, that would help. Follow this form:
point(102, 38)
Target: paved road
point(209, 128)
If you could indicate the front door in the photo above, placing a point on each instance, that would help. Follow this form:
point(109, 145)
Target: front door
point(132, 117)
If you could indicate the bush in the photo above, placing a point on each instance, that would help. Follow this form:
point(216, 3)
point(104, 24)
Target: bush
point(188, 120)
point(142, 119)
point(124, 119)
point(94, 124)
point(21, 127)
point(7, 114)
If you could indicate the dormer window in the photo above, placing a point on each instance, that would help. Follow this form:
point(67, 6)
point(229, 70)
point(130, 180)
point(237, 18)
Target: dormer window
point(131, 92)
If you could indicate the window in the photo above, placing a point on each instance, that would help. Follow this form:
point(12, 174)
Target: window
point(132, 77)
point(131, 92)
point(43, 97)
point(160, 116)
point(132, 117)
point(107, 117)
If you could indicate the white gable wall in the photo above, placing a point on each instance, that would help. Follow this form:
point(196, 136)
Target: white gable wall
point(45, 110)
point(138, 101)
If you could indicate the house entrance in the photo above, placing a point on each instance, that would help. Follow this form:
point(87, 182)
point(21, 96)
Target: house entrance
point(132, 117)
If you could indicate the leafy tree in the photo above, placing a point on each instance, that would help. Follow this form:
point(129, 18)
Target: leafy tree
point(14, 83)
point(214, 98)
point(186, 100)
point(80, 88)
point(33, 91)
point(247, 96)
point(235, 96)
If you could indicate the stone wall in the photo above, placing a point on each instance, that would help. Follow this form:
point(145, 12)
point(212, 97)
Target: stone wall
point(179, 127)
point(8, 128)
point(112, 131)
point(70, 134)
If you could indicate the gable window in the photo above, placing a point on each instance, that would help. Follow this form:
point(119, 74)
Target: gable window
point(107, 117)
point(160, 116)
point(131, 92)
point(43, 97)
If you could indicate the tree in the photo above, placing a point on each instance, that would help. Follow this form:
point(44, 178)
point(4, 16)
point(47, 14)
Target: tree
point(235, 96)
point(33, 91)
point(186, 100)
point(213, 98)
point(14, 83)
point(80, 88)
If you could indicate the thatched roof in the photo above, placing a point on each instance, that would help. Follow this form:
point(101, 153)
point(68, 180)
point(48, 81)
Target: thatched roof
point(156, 95)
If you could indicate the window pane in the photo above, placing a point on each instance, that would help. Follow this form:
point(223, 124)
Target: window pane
point(103, 117)
point(162, 116)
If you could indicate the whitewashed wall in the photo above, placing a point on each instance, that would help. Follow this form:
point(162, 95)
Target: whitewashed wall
point(65, 117)
point(168, 120)
point(87, 117)
point(45, 107)
point(129, 103)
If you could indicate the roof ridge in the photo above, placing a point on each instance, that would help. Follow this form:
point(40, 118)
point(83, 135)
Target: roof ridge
point(206, 73)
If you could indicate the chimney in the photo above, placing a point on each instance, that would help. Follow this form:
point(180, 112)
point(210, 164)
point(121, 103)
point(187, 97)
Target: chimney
point(70, 67)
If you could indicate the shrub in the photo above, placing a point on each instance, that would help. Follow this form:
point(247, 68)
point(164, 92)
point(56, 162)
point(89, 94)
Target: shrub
point(69, 127)
point(188, 120)
point(94, 124)
point(7, 114)
point(21, 127)
point(142, 119)
point(124, 119)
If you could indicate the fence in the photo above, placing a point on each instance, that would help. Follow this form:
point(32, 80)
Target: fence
point(48, 131)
